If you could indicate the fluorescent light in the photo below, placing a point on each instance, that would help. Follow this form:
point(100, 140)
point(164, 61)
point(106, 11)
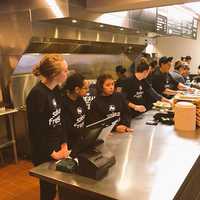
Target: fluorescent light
point(56, 10)
point(101, 25)
point(195, 6)
point(121, 29)
point(74, 21)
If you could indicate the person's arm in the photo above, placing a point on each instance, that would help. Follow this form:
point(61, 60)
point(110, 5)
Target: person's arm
point(125, 117)
point(151, 91)
point(169, 92)
point(138, 108)
point(157, 84)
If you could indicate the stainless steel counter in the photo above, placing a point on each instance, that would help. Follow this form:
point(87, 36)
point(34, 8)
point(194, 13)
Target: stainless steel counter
point(151, 164)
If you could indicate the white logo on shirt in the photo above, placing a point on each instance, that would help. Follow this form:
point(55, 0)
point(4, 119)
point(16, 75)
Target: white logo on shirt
point(79, 110)
point(54, 103)
point(139, 93)
point(112, 108)
point(80, 122)
point(55, 119)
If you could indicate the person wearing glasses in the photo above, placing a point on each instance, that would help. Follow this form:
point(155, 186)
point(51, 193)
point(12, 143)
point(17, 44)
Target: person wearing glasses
point(75, 108)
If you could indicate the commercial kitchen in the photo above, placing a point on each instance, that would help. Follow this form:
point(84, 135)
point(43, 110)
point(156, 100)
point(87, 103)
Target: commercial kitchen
point(153, 45)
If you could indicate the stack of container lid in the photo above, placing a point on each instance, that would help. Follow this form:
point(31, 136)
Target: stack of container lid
point(185, 116)
point(198, 113)
point(194, 100)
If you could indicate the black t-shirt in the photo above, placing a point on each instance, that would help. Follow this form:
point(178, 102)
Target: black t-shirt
point(105, 106)
point(135, 90)
point(75, 113)
point(120, 83)
point(162, 81)
point(140, 92)
point(45, 121)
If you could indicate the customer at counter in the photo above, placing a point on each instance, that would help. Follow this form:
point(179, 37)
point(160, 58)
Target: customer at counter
point(163, 82)
point(138, 92)
point(108, 103)
point(75, 108)
point(45, 119)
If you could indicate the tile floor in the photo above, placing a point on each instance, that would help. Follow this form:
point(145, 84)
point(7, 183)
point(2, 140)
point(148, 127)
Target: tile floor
point(16, 184)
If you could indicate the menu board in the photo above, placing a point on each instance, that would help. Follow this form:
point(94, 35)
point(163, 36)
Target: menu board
point(169, 24)
point(161, 24)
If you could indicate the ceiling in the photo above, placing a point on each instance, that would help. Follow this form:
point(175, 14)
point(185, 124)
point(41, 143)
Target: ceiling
point(116, 5)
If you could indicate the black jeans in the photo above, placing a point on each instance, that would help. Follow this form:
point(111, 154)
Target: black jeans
point(47, 190)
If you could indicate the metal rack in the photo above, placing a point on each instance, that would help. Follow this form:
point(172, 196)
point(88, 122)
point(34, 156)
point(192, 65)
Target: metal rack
point(11, 142)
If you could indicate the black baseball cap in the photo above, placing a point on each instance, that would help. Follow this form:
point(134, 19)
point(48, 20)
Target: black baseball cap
point(165, 60)
point(188, 58)
point(120, 69)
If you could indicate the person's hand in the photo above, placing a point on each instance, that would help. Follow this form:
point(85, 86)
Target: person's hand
point(140, 108)
point(62, 153)
point(65, 150)
point(58, 155)
point(191, 90)
point(170, 101)
point(129, 129)
point(123, 129)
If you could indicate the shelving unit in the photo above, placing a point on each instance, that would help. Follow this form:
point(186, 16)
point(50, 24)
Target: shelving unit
point(12, 141)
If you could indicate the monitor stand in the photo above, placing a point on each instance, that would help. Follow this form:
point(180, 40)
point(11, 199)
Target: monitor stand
point(95, 162)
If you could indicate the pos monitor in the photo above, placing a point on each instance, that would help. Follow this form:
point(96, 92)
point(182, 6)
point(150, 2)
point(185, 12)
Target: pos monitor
point(89, 137)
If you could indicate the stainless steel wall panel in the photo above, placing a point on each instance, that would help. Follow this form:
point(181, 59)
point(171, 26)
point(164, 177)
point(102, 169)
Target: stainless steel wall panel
point(20, 88)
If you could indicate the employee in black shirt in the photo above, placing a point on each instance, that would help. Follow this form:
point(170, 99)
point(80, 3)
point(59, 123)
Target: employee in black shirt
point(121, 74)
point(75, 109)
point(177, 74)
point(45, 119)
point(108, 103)
point(163, 82)
point(138, 91)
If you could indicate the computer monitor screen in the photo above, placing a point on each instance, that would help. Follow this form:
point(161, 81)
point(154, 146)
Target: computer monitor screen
point(90, 134)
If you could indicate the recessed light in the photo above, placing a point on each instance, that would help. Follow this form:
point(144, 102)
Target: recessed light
point(74, 21)
point(101, 25)
point(121, 29)
point(170, 31)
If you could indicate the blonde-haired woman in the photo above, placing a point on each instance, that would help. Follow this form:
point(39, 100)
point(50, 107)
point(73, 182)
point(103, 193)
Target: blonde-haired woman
point(45, 121)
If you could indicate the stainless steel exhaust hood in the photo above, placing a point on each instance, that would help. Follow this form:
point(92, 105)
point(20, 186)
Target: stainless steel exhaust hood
point(60, 26)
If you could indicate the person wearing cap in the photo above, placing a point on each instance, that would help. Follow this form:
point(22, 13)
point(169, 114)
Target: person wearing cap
point(177, 74)
point(121, 74)
point(188, 59)
point(182, 59)
point(162, 80)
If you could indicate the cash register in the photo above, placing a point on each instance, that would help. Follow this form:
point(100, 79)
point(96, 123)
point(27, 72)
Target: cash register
point(89, 156)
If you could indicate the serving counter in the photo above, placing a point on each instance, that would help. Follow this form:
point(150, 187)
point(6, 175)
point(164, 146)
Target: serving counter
point(151, 164)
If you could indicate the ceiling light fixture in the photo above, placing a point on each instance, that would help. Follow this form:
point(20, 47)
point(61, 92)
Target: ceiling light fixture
point(74, 21)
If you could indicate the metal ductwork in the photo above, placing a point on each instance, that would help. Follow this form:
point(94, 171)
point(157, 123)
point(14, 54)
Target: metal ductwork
point(49, 26)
